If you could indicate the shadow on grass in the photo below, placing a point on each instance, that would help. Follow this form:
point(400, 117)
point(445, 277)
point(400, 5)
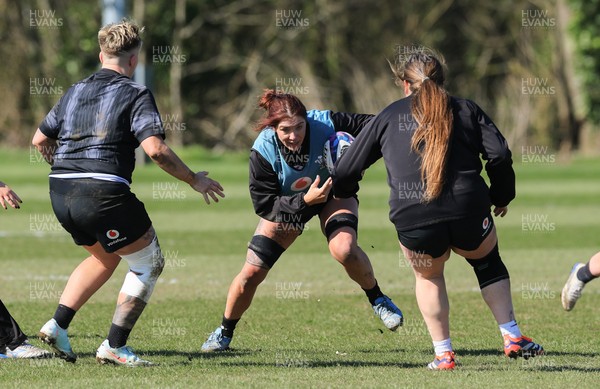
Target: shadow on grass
point(79, 336)
point(580, 369)
point(231, 353)
point(484, 352)
point(549, 362)
point(538, 364)
point(388, 350)
point(324, 364)
point(288, 359)
point(480, 352)
point(571, 354)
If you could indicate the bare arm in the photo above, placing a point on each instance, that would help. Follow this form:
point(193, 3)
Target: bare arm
point(167, 160)
point(46, 146)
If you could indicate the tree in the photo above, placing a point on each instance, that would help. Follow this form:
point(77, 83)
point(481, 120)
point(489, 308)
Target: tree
point(586, 33)
point(208, 60)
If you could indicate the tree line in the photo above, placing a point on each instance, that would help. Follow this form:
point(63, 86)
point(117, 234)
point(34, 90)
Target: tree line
point(532, 65)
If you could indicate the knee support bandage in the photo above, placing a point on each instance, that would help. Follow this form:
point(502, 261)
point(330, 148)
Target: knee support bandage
point(489, 269)
point(266, 249)
point(145, 267)
point(340, 220)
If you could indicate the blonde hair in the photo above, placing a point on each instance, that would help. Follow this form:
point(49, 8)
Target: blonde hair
point(424, 71)
point(117, 39)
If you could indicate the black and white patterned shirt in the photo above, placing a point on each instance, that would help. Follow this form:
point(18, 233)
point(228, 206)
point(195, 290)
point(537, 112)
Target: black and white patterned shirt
point(99, 122)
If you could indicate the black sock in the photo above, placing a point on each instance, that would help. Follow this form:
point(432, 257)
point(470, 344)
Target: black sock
point(584, 275)
point(63, 316)
point(374, 293)
point(228, 326)
point(117, 336)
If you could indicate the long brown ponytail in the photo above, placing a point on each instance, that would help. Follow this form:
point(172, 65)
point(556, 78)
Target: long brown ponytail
point(431, 108)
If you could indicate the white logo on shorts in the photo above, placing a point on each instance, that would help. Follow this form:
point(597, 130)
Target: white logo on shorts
point(112, 234)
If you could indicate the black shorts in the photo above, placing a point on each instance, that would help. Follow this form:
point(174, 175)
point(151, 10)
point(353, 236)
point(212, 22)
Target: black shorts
point(98, 211)
point(295, 221)
point(313, 211)
point(435, 239)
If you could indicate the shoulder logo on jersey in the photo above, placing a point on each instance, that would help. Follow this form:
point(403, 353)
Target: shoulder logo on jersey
point(112, 234)
point(301, 184)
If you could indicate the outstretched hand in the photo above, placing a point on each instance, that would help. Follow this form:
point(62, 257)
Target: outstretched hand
point(316, 195)
point(207, 186)
point(7, 196)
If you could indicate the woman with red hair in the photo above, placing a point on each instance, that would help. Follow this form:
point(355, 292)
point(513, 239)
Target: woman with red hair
point(289, 184)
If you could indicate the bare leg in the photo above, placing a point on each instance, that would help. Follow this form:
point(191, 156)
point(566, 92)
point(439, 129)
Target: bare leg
point(89, 276)
point(343, 244)
point(244, 285)
point(498, 298)
point(242, 289)
point(430, 289)
point(344, 249)
point(497, 295)
point(95, 270)
point(85, 280)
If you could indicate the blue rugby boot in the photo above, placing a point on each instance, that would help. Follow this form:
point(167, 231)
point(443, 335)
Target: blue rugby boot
point(388, 312)
point(216, 342)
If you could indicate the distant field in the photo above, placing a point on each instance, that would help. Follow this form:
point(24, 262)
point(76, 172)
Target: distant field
point(325, 333)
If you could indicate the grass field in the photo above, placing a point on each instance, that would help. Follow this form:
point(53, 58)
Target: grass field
point(309, 325)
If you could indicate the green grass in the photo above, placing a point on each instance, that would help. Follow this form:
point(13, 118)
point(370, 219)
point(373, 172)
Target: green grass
point(328, 335)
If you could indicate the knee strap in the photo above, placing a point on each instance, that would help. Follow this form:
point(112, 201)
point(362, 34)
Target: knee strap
point(341, 220)
point(489, 269)
point(145, 267)
point(266, 249)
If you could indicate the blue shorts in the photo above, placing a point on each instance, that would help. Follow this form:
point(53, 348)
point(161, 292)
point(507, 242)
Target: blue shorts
point(435, 239)
point(98, 211)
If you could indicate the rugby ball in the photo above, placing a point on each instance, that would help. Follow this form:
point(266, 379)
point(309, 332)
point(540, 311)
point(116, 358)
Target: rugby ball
point(335, 147)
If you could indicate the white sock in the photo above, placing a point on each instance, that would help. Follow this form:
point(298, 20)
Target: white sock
point(511, 328)
point(442, 346)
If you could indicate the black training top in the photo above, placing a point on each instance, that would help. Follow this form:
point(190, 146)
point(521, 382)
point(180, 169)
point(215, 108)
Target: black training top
point(265, 189)
point(99, 122)
point(465, 191)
